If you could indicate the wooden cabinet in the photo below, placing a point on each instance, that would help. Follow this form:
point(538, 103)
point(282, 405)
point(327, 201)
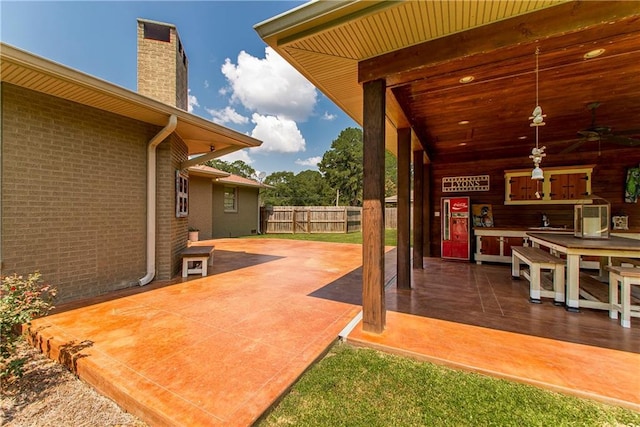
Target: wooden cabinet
point(566, 184)
point(522, 187)
point(569, 186)
point(494, 245)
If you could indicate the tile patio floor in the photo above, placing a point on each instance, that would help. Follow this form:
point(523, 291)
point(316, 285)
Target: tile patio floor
point(220, 350)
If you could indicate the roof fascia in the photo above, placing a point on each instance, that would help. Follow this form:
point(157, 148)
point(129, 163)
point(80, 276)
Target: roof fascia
point(62, 72)
point(315, 17)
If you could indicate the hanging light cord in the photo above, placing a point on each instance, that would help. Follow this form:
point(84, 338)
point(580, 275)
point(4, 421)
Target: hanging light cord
point(537, 101)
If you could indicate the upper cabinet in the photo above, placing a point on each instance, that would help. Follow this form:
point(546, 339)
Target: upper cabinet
point(566, 184)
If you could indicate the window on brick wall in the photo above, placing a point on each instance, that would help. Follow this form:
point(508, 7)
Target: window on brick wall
point(230, 199)
point(182, 195)
point(157, 32)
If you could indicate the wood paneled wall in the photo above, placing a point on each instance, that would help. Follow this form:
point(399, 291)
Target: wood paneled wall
point(608, 182)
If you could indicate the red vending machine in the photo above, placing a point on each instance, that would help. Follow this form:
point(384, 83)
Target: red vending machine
point(456, 230)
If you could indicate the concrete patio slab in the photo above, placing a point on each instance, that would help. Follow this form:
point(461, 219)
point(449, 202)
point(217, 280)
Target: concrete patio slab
point(215, 350)
point(221, 349)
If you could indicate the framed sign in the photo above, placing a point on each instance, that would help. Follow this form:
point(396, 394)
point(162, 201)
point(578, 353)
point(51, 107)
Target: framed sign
point(463, 184)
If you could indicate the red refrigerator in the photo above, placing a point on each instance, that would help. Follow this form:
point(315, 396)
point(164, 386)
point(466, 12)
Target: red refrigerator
point(456, 231)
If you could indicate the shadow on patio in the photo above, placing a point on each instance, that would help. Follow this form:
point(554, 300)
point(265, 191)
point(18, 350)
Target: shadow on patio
point(221, 349)
point(477, 317)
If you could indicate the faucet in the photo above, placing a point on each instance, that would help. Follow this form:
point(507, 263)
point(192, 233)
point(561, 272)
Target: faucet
point(545, 220)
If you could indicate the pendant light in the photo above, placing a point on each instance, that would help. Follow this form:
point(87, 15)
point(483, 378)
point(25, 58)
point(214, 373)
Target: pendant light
point(537, 118)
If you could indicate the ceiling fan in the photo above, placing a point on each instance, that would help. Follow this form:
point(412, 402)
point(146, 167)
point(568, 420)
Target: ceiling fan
point(602, 133)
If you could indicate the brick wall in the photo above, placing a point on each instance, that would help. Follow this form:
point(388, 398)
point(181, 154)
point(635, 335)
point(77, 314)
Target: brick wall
point(172, 232)
point(162, 69)
point(73, 193)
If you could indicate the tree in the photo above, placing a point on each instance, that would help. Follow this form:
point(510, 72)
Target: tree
point(307, 188)
point(311, 189)
point(390, 174)
point(237, 167)
point(342, 168)
point(282, 193)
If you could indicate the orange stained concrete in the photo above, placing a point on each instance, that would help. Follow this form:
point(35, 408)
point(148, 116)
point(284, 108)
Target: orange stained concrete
point(215, 350)
point(611, 376)
point(221, 349)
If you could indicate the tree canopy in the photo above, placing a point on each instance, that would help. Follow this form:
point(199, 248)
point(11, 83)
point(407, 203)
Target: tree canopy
point(341, 166)
point(339, 180)
point(237, 167)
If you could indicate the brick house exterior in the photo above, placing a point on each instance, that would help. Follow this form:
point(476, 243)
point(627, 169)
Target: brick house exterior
point(74, 177)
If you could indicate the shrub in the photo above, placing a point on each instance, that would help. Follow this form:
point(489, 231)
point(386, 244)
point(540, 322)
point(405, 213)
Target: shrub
point(21, 300)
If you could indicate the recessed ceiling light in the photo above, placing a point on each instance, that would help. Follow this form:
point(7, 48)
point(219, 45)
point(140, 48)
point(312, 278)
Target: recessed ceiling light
point(593, 53)
point(462, 144)
point(463, 122)
point(522, 137)
point(466, 79)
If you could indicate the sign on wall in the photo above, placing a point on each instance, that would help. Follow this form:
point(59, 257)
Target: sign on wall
point(463, 184)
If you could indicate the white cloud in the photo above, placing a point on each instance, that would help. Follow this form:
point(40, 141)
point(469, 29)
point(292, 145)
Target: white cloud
point(192, 101)
point(227, 115)
point(311, 161)
point(278, 134)
point(329, 117)
point(206, 84)
point(238, 155)
point(270, 86)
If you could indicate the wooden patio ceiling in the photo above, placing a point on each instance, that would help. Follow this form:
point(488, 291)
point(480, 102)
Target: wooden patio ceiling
point(590, 104)
point(423, 49)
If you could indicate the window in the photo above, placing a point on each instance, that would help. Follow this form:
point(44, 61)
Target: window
point(230, 199)
point(182, 195)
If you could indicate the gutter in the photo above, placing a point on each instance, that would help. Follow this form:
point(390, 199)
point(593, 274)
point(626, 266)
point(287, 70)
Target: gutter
point(151, 197)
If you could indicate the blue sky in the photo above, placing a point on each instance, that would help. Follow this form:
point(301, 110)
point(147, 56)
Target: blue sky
point(234, 79)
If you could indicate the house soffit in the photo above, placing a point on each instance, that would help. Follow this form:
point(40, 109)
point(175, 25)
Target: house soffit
point(29, 71)
point(329, 55)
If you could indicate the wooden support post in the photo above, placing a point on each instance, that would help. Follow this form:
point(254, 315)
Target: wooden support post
point(373, 301)
point(418, 200)
point(403, 263)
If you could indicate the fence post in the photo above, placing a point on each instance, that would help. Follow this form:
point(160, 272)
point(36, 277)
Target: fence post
point(346, 220)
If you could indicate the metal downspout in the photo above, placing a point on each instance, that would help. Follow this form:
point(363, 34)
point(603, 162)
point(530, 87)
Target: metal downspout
point(151, 197)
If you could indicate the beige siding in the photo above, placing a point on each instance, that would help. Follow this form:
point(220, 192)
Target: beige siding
point(244, 222)
point(201, 205)
point(73, 193)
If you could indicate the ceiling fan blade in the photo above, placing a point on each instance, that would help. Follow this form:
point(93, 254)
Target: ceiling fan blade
point(573, 146)
point(623, 140)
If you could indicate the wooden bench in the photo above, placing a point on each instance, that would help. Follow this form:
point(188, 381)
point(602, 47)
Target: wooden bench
point(195, 260)
point(623, 277)
point(538, 259)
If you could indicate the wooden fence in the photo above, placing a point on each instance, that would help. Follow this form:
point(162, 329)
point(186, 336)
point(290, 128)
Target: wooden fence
point(317, 219)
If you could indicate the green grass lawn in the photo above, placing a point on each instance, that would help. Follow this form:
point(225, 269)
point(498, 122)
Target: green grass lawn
point(361, 387)
point(390, 237)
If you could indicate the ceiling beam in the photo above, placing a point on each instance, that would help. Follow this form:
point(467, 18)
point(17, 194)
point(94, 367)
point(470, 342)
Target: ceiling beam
point(405, 64)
